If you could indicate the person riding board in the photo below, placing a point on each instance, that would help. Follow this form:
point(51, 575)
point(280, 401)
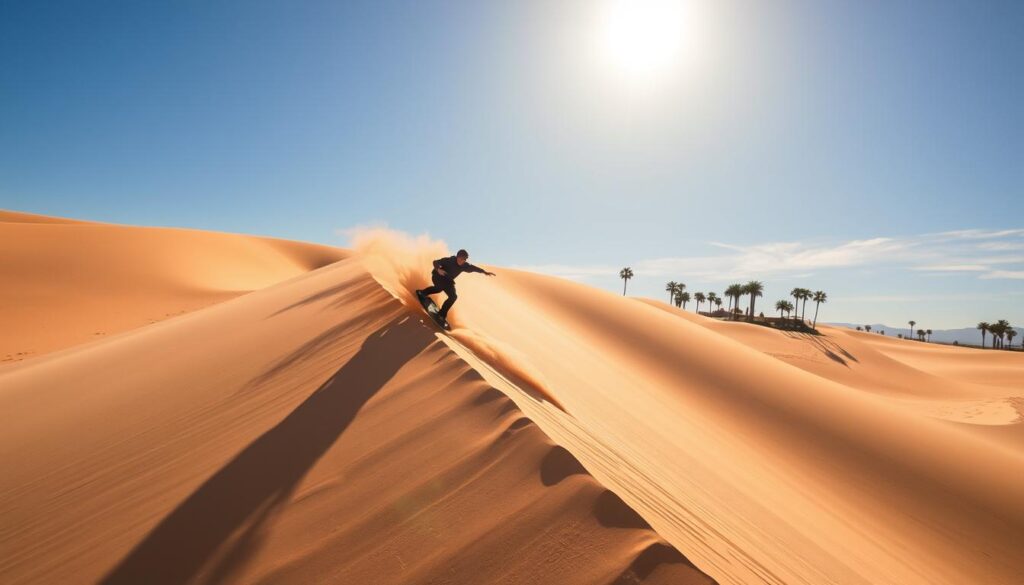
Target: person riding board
point(443, 276)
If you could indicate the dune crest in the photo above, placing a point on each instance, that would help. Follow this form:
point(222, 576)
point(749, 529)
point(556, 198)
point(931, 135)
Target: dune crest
point(401, 263)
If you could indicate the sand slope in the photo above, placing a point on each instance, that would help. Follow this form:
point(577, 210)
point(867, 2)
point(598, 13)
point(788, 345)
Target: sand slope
point(67, 282)
point(311, 432)
point(770, 457)
point(317, 430)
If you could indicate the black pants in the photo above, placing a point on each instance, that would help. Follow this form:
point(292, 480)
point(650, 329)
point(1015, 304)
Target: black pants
point(445, 285)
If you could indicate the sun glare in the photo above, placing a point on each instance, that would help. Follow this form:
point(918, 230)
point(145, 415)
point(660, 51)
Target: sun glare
point(644, 38)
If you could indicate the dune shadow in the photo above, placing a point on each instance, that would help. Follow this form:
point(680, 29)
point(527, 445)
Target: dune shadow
point(612, 512)
point(831, 349)
point(657, 555)
point(322, 342)
point(353, 288)
point(218, 527)
point(558, 465)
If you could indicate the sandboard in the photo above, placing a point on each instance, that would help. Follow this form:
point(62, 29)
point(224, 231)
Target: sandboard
point(431, 308)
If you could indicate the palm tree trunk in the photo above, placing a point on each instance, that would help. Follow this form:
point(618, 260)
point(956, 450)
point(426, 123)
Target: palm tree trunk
point(815, 325)
point(624, 281)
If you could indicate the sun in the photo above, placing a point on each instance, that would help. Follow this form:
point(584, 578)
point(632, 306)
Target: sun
point(643, 38)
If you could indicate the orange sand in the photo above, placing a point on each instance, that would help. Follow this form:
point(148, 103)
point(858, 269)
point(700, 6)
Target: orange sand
point(318, 429)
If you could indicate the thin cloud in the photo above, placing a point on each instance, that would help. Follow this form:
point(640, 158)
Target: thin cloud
point(1007, 274)
point(978, 234)
point(961, 251)
point(952, 268)
point(1001, 246)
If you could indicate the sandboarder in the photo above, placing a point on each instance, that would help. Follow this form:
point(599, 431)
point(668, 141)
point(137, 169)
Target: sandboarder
point(443, 276)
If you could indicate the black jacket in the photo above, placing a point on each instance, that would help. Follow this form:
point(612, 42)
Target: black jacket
point(452, 269)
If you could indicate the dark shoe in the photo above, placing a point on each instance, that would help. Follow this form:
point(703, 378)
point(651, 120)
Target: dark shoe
point(420, 295)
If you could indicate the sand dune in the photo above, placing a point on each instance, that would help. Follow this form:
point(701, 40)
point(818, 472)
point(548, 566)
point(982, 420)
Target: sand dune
point(760, 470)
point(312, 431)
point(318, 430)
point(67, 282)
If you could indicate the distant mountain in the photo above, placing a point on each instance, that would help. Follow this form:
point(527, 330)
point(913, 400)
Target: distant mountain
point(967, 335)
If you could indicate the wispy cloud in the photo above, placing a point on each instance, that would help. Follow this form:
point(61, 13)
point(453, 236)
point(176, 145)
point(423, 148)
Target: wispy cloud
point(1010, 274)
point(925, 298)
point(975, 234)
point(952, 268)
point(1001, 246)
point(972, 251)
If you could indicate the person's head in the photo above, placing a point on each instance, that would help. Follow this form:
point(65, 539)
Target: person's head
point(461, 257)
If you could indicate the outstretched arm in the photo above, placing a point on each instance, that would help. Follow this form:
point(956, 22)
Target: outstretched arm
point(475, 268)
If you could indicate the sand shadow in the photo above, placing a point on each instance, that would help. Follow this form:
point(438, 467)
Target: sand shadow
point(658, 555)
point(351, 288)
point(611, 511)
point(831, 349)
point(218, 527)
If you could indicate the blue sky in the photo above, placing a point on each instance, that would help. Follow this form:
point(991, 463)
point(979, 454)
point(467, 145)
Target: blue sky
point(872, 150)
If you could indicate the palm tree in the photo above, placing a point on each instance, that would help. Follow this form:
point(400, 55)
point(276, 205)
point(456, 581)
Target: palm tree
point(920, 334)
point(754, 288)
point(866, 327)
point(734, 291)
point(625, 274)
point(671, 288)
point(912, 323)
point(993, 328)
point(712, 299)
point(805, 294)
point(700, 298)
point(819, 297)
point(783, 306)
point(983, 327)
point(796, 294)
point(929, 332)
point(718, 303)
point(1010, 334)
point(1002, 327)
point(684, 298)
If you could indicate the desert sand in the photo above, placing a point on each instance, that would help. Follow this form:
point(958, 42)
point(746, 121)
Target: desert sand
point(291, 416)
